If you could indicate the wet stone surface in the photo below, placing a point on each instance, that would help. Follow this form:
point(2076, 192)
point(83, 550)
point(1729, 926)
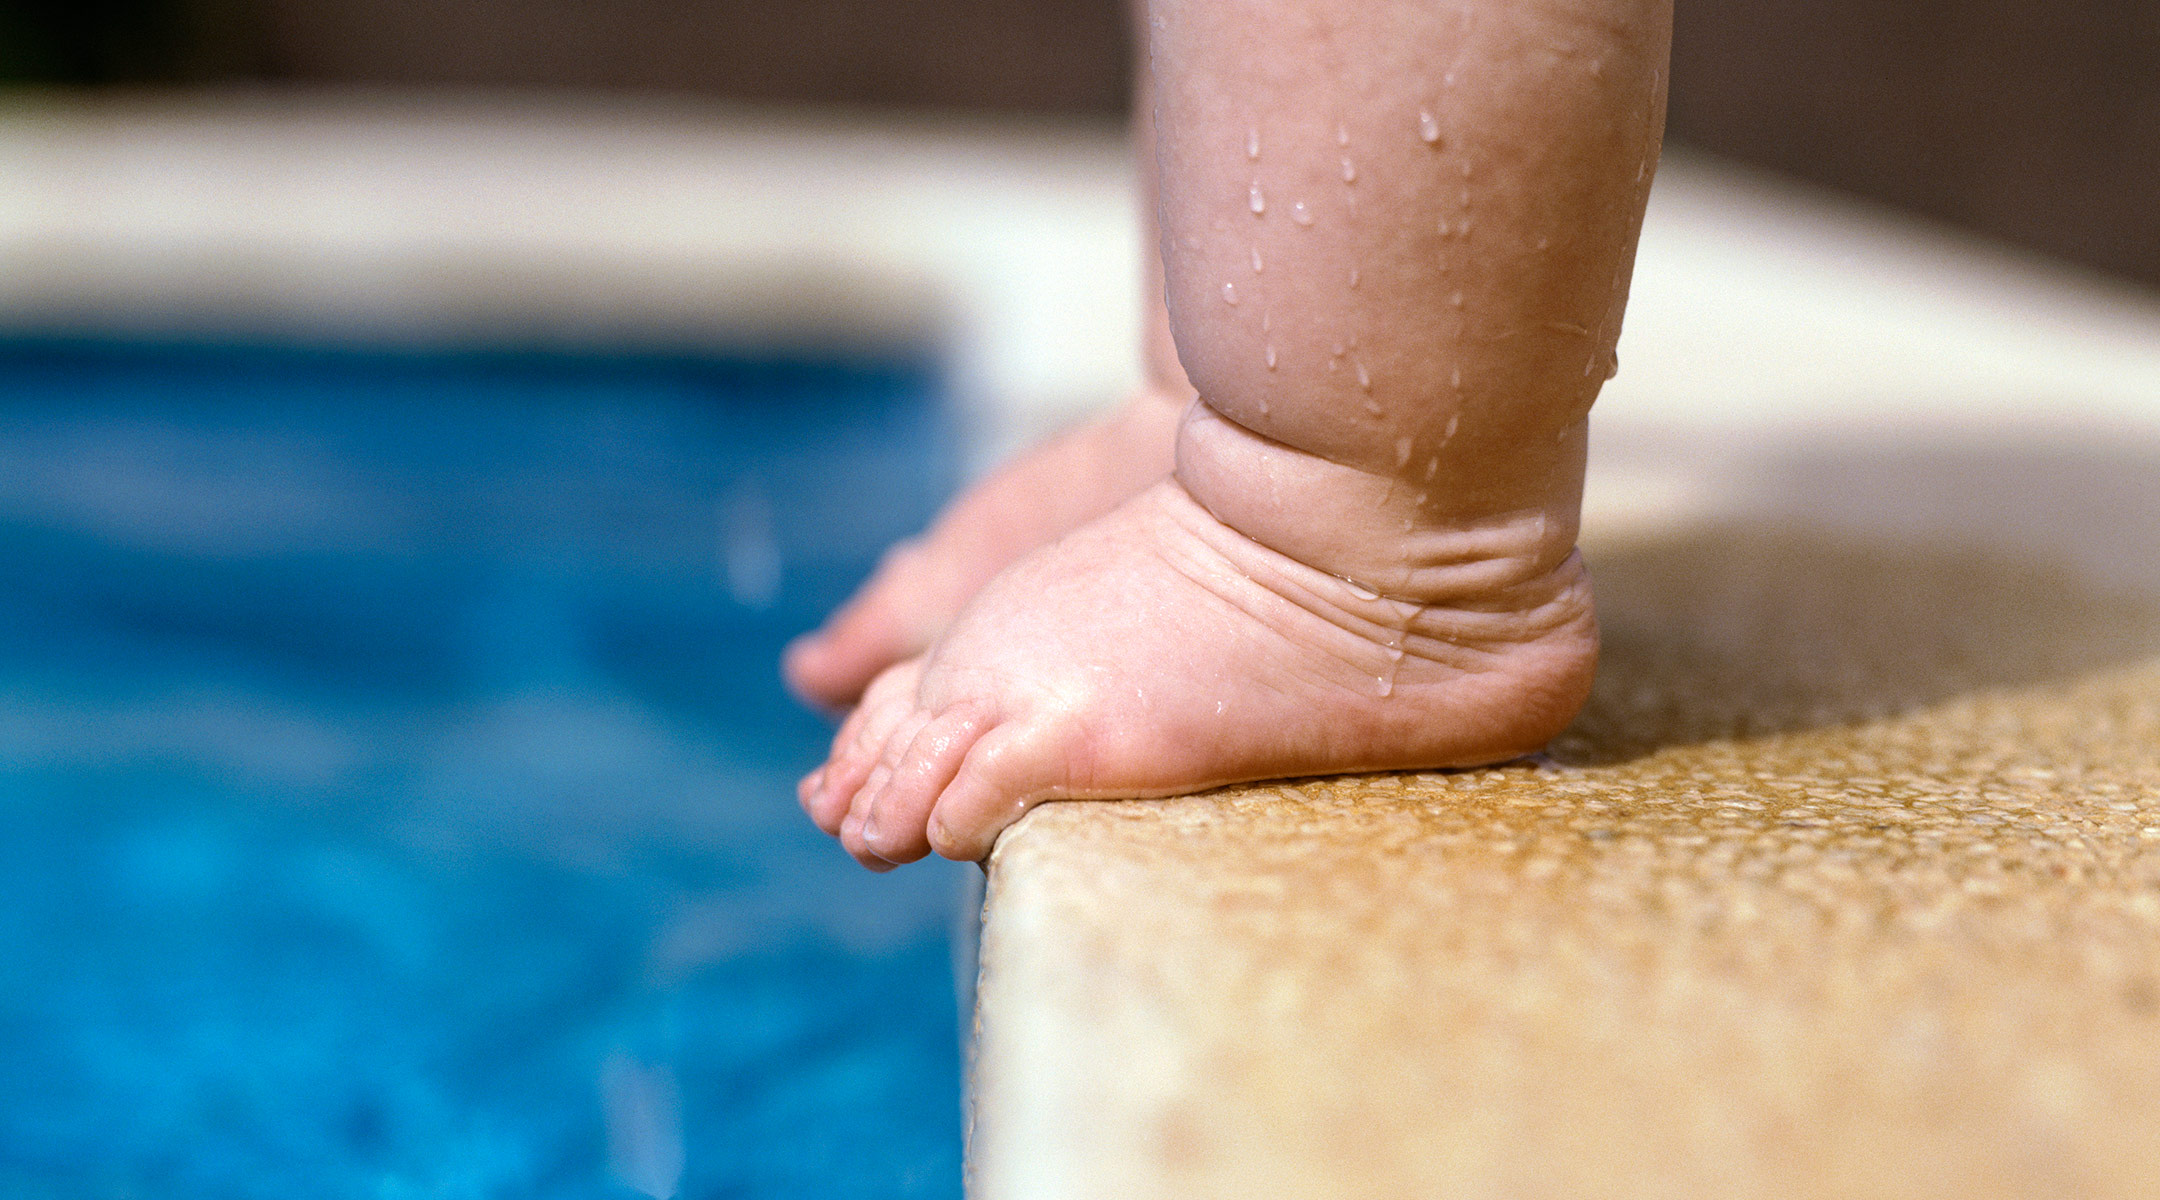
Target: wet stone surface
point(1846, 884)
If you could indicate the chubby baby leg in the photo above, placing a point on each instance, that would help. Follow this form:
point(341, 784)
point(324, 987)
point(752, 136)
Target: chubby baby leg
point(1397, 241)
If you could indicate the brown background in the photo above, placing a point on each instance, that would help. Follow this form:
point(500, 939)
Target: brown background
point(2035, 120)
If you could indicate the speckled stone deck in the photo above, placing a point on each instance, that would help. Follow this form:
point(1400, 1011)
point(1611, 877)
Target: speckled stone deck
point(1847, 884)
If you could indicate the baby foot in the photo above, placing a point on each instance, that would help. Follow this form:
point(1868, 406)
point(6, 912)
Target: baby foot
point(1157, 650)
point(922, 583)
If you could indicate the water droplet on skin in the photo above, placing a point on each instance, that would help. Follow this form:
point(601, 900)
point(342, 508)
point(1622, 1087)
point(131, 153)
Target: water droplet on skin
point(1394, 663)
point(1252, 144)
point(1349, 171)
point(1364, 377)
point(1301, 214)
point(1372, 407)
point(1463, 230)
point(1455, 377)
point(1428, 129)
point(1589, 368)
point(1361, 591)
point(1256, 199)
point(1612, 369)
point(1338, 350)
point(1229, 293)
point(1443, 227)
point(1271, 356)
point(1402, 452)
point(1267, 321)
point(1353, 341)
point(1353, 277)
point(1448, 80)
point(1256, 264)
point(1642, 170)
point(1342, 135)
point(1332, 364)
point(1432, 468)
point(1455, 300)
point(1464, 200)
point(1448, 435)
point(1597, 68)
point(1386, 685)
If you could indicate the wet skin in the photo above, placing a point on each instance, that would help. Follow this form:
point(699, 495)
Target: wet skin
point(1396, 242)
point(921, 585)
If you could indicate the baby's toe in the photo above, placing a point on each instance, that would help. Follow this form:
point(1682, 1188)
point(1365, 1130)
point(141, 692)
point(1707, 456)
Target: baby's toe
point(851, 828)
point(1009, 770)
point(861, 742)
point(810, 793)
point(830, 666)
point(897, 816)
point(896, 742)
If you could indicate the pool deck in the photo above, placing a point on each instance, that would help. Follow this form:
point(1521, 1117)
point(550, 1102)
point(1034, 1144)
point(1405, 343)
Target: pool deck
point(1848, 882)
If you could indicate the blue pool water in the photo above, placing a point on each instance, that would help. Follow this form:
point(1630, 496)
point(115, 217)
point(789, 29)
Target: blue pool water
point(396, 791)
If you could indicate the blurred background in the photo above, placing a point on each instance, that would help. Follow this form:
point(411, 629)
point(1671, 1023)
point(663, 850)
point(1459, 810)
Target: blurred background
point(395, 784)
point(2033, 121)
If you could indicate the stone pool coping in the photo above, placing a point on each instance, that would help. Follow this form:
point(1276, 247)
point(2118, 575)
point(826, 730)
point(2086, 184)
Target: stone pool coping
point(1882, 929)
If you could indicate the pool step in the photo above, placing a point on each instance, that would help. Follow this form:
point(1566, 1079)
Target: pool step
point(1847, 884)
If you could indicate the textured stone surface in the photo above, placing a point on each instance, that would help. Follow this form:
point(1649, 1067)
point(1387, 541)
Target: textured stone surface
point(1846, 884)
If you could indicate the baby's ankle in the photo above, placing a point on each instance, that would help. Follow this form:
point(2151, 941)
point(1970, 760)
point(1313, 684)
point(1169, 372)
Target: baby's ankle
point(1417, 534)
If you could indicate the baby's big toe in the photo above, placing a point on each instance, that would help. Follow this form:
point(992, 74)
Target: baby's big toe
point(829, 667)
point(925, 758)
point(878, 626)
point(1009, 770)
